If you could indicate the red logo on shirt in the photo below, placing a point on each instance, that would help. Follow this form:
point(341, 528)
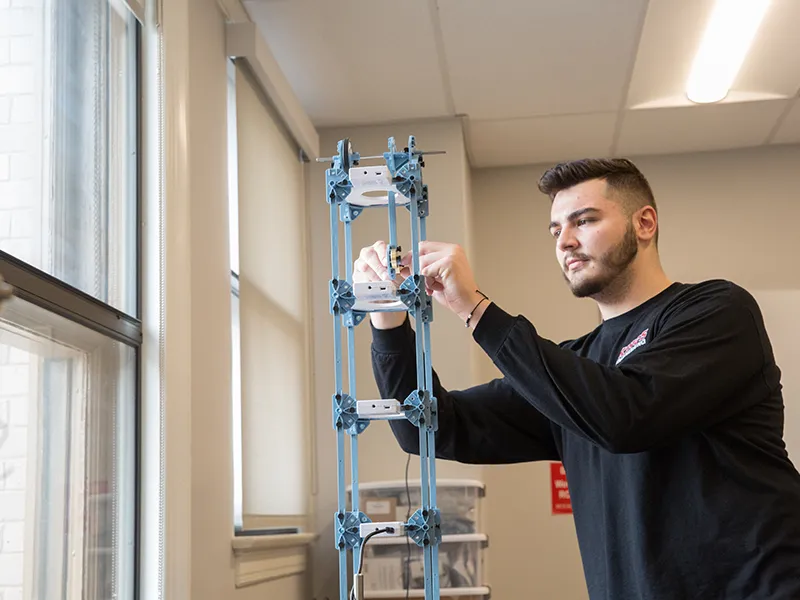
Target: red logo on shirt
point(640, 340)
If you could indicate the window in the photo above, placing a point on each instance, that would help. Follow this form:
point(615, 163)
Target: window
point(70, 337)
point(271, 376)
point(68, 143)
point(67, 425)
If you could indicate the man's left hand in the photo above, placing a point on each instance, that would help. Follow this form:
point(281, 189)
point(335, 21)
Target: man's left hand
point(448, 277)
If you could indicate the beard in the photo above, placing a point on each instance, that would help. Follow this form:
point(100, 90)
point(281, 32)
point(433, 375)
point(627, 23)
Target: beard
point(611, 268)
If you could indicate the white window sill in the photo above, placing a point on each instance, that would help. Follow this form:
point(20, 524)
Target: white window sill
point(262, 558)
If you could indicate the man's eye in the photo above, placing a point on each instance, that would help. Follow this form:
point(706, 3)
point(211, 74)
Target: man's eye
point(555, 234)
point(584, 221)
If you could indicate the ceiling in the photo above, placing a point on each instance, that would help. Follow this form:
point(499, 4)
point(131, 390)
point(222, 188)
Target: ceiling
point(535, 80)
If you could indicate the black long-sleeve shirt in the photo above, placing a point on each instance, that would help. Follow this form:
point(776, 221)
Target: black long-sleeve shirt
point(669, 422)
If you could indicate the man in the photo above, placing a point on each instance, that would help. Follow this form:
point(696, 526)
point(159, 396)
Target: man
point(668, 416)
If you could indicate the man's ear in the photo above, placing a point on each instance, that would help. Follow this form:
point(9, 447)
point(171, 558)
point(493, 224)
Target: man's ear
point(645, 221)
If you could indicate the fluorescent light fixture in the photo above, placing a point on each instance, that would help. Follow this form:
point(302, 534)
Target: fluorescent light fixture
point(727, 39)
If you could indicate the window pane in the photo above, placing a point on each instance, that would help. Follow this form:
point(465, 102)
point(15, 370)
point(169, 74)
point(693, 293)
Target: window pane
point(67, 459)
point(67, 143)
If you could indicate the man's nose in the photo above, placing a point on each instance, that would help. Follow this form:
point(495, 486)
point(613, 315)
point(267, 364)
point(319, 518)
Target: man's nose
point(567, 239)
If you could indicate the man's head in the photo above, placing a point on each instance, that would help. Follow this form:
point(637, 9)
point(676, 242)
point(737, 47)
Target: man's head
point(603, 216)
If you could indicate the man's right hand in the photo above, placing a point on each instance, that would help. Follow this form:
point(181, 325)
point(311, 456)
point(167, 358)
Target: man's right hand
point(371, 266)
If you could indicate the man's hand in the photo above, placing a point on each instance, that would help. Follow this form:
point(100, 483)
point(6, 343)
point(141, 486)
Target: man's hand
point(449, 278)
point(445, 268)
point(371, 266)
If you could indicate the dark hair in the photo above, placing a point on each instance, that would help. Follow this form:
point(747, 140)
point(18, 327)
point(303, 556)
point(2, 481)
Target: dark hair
point(620, 174)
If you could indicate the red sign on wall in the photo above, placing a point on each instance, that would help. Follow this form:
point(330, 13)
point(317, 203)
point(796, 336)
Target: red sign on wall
point(562, 505)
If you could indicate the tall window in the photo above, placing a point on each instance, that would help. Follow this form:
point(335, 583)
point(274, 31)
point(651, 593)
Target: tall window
point(70, 337)
point(271, 375)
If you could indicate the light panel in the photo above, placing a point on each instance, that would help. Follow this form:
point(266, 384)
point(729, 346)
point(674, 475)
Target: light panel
point(728, 36)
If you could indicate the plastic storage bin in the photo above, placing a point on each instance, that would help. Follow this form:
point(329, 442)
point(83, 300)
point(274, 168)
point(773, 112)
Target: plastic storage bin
point(391, 563)
point(458, 501)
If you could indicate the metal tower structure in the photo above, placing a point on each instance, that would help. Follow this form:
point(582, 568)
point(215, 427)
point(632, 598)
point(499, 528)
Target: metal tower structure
point(351, 187)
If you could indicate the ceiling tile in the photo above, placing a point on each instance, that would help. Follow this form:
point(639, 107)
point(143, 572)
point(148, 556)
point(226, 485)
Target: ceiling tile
point(789, 132)
point(539, 140)
point(355, 61)
point(670, 37)
point(672, 33)
point(773, 63)
point(520, 58)
point(698, 128)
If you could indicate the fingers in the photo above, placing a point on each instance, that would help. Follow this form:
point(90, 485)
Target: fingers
point(371, 263)
point(430, 264)
point(429, 246)
point(434, 258)
point(431, 286)
point(380, 251)
point(407, 259)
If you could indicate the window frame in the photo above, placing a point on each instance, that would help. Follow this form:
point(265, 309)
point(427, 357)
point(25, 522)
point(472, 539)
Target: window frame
point(46, 291)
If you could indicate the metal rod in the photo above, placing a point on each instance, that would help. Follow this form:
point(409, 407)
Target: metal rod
point(416, 152)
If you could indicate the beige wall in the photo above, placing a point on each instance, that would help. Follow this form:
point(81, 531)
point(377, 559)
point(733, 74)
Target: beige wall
point(212, 574)
point(379, 456)
point(723, 214)
point(783, 327)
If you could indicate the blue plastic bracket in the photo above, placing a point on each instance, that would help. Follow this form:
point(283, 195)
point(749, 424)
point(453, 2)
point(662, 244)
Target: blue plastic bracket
point(342, 297)
point(348, 525)
point(342, 300)
point(348, 212)
point(424, 527)
point(345, 414)
point(353, 318)
point(423, 203)
point(415, 298)
point(338, 185)
point(421, 409)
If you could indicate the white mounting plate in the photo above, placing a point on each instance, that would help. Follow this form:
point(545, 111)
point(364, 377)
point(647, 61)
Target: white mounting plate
point(376, 296)
point(373, 181)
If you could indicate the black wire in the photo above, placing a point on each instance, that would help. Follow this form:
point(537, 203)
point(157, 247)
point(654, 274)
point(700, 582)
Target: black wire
point(361, 553)
point(364, 543)
point(390, 530)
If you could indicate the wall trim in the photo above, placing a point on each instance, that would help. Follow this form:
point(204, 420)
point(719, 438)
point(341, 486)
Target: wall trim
point(244, 41)
point(251, 522)
point(269, 557)
point(165, 534)
point(234, 11)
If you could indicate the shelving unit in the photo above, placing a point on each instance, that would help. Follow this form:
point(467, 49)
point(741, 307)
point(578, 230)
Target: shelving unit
point(461, 556)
